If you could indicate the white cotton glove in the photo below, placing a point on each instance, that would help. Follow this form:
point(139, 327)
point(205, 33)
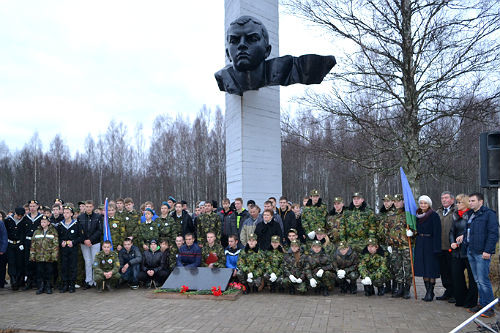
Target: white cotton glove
point(249, 280)
point(320, 272)
point(409, 233)
point(341, 274)
point(273, 277)
point(313, 283)
point(292, 278)
point(250, 275)
point(299, 280)
point(389, 249)
point(311, 235)
point(366, 281)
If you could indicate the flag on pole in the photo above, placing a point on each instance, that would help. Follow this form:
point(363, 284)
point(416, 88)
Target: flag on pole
point(107, 231)
point(410, 205)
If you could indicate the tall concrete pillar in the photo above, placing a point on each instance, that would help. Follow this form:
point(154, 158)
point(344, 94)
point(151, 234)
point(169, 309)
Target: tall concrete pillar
point(253, 133)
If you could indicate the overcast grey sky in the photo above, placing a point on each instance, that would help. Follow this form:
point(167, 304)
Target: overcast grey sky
point(69, 67)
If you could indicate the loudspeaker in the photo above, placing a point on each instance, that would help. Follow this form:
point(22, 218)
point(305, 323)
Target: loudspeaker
point(489, 159)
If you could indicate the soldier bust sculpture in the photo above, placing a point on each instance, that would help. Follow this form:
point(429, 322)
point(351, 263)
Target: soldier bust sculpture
point(247, 47)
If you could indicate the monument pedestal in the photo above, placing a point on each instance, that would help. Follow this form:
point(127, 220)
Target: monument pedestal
point(253, 131)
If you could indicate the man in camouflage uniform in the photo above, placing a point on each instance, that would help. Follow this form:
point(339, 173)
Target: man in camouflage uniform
point(44, 252)
point(325, 241)
point(359, 223)
point(131, 220)
point(373, 268)
point(345, 263)
point(116, 227)
point(120, 209)
point(174, 251)
point(333, 221)
point(106, 268)
point(314, 214)
point(395, 230)
point(208, 222)
point(168, 228)
point(294, 268)
point(250, 266)
point(273, 269)
point(319, 269)
point(212, 254)
point(146, 231)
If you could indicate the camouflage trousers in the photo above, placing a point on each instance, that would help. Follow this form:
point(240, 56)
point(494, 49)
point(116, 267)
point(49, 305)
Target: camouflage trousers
point(400, 265)
point(100, 278)
point(353, 276)
point(378, 283)
point(242, 277)
point(301, 287)
point(326, 280)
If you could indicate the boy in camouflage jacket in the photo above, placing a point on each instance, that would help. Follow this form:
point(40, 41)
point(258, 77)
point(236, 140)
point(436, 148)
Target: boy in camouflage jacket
point(250, 266)
point(106, 268)
point(116, 227)
point(273, 269)
point(345, 263)
point(319, 269)
point(168, 228)
point(212, 254)
point(146, 231)
point(44, 252)
point(314, 214)
point(373, 268)
point(294, 268)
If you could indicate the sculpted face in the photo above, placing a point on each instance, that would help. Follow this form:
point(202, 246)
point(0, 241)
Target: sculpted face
point(246, 46)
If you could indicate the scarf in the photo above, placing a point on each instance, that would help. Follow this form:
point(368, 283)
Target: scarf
point(461, 212)
point(422, 217)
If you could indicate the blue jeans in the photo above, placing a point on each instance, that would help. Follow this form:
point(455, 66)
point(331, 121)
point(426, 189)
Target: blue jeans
point(131, 274)
point(481, 270)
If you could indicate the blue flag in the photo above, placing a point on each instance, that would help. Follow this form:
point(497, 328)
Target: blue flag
point(410, 205)
point(107, 231)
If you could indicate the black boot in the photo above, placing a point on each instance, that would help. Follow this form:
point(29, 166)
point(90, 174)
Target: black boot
point(64, 287)
point(291, 290)
point(388, 287)
point(29, 285)
point(13, 283)
point(381, 291)
point(272, 288)
point(367, 290)
point(343, 286)
point(399, 291)
point(406, 291)
point(427, 286)
point(48, 287)
point(354, 287)
point(429, 295)
point(71, 286)
point(325, 291)
point(394, 287)
point(41, 287)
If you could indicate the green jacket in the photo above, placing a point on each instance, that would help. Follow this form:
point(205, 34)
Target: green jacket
point(292, 266)
point(145, 232)
point(393, 229)
point(374, 266)
point(106, 263)
point(44, 246)
point(274, 261)
point(205, 223)
point(218, 251)
point(251, 261)
point(314, 217)
point(317, 261)
point(168, 228)
point(131, 221)
point(117, 230)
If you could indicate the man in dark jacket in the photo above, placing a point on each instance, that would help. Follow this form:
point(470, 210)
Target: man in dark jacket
point(266, 229)
point(34, 222)
point(17, 226)
point(92, 233)
point(183, 218)
point(189, 253)
point(152, 271)
point(480, 238)
point(228, 222)
point(130, 263)
point(3, 252)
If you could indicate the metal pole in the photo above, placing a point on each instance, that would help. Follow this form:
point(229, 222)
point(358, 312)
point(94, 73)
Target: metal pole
point(477, 314)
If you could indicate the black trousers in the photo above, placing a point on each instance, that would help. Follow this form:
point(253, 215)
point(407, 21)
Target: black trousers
point(445, 271)
point(44, 271)
point(16, 261)
point(463, 295)
point(69, 261)
point(3, 267)
point(159, 277)
point(30, 267)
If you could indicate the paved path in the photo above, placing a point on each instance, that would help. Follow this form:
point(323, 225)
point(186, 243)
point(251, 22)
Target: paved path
point(126, 310)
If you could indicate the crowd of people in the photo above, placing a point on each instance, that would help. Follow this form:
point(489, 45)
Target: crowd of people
point(286, 247)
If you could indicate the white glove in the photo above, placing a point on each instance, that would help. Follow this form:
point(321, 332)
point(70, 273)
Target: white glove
point(320, 272)
point(311, 235)
point(250, 275)
point(389, 249)
point(299, 280)
point(313, 283)
point(409, 233)
point(249, 280)
point(273, 277)
point(292, 278)
point(366, 281)
point(341, 274)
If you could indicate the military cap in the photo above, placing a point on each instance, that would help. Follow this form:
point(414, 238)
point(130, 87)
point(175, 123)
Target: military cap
point(164, 203)
point(320, 231)
point(388, 197)
point(275, 239)
point(316, 243)
point(372, 241)
point(293, 230)
point(153, 241)
point(33, 201)
point(20, 211)
point(252, 236)
point(172, 198)
point(149, 210)
point(69, 207)
point(81, 203)
point(398, 197)
point(295, 242)
point(44, 218)
point(357, 194)
point(101, 207)
point(201, 204)
point(343, 245)
point(61, 201)
point(314, 193)
point(338, 199)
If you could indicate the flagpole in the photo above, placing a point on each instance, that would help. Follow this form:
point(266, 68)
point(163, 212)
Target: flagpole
point(412, 270)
